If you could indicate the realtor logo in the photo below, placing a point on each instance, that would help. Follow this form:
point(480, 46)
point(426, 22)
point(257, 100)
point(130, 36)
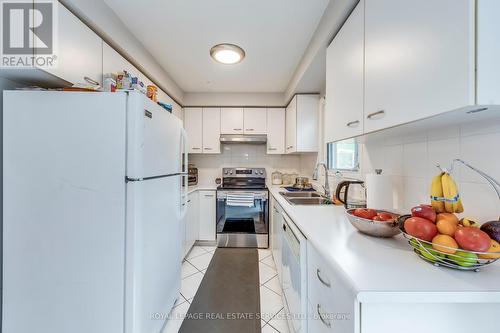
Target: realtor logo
point(28, 33)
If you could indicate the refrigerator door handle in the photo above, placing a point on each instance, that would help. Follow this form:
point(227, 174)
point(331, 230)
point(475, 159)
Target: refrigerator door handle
point(184, 180)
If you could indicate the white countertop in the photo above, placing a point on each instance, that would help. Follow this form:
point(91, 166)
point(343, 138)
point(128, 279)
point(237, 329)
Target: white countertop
point(386, 269)
point(201, 187)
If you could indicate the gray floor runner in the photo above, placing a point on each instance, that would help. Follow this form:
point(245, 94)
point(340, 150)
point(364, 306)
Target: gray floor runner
point(228, 300)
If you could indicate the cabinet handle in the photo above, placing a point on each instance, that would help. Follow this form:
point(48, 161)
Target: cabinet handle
point(323, 320)
point(284, 227)
point(237, 129)
point(189, 200)
point(209, 195)
point(91, 81)
point(196, 148)
point(371, 115)
point(353, 123)
point(272, 149)
point(208, 148)
point(289, 147)
point(249, 129)
point(318, 274)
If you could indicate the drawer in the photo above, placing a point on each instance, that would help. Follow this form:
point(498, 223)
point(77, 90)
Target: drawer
point(330, 295)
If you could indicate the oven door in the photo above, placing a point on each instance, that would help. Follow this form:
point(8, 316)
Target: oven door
point(243, 218)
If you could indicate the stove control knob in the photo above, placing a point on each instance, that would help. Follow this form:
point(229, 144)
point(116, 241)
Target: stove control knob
point(225, 172)
point(230, 172)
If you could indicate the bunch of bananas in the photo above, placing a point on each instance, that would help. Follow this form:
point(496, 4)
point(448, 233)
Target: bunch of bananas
point(444, 194)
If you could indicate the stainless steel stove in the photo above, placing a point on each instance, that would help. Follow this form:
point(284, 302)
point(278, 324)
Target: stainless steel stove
point(243, 208)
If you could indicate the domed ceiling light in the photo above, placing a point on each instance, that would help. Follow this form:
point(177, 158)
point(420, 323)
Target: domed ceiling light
point(228, 54)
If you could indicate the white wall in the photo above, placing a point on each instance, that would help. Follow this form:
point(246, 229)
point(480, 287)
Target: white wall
point(234, 99)
point(241, 155)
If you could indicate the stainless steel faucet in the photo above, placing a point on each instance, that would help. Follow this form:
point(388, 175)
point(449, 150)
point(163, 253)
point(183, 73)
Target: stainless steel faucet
point(315, 177)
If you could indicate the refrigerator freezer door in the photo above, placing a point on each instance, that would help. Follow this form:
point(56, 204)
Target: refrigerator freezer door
point(63, 212)
point(154, 140)
point(153, 273)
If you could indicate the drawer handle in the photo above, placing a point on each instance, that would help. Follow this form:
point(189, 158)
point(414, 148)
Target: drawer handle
point(196, 148)
point(353, 123)
point(208, 148)
point(249, 129)
point(323, 320)
point(237, 129)
point(318, 274)
point(272, 149)
point(91, 81)
point(371, 115)
point(209, 195)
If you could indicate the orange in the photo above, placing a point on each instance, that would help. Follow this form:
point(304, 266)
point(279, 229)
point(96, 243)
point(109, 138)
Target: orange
point(447, 216)
point(439, 241)
point(495, 247)
point(446, 227)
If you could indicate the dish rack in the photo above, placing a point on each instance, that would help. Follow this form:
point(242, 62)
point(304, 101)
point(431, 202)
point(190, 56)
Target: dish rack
point(465, 260)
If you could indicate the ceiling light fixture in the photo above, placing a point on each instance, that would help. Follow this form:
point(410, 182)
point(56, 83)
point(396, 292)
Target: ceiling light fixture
point(228, 54)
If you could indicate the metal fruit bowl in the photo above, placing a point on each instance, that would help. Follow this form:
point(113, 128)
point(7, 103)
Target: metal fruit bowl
point(466, 261)
point(374, 228)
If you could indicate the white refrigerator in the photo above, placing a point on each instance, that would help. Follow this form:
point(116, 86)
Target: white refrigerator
point(92, 208)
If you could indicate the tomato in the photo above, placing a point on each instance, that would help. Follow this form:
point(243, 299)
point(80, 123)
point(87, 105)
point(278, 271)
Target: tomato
point(383, 216)
point(473, 239)
point(365, 213)
point(425, 212)
point(420, 228)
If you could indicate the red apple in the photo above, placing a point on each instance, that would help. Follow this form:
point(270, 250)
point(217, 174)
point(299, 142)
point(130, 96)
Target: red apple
point(420, 228)
point(473, 239)
point(425, 212)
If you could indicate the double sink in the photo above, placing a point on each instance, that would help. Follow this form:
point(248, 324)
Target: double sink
point(305, 198)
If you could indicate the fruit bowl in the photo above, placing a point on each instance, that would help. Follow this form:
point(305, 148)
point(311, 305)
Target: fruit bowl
point(462, 259)
point(383, 229)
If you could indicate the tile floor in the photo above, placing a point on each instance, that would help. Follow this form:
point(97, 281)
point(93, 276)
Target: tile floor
point(193, 270)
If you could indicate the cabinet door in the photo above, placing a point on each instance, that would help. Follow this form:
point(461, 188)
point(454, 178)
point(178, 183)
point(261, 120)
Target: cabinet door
point(276, 131)
point(192, 221)
point(291, 126)
point(79, 52)
point(232, 120)
point(211, 130)
point(344, 79)
point(419, 58)
point(255, 120)
point(193, 123)
point(307, 123)
point(276, 236)
point(207, 215)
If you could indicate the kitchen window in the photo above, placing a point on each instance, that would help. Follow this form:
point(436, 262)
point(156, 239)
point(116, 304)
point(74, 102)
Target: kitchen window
point(343, 155)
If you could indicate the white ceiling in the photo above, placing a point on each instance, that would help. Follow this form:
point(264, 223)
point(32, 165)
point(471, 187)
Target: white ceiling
point(180, 33)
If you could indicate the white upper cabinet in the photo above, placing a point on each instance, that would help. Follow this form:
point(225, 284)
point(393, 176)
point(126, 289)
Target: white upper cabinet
point(488, 52)
point(232, 121)
point(255, 120)
point(344, 79)
point(79, 52)
point(211, 130)
point(275, 131)
point(302, 124)
point(291, 126)
point(193, 123)
point(419, 59)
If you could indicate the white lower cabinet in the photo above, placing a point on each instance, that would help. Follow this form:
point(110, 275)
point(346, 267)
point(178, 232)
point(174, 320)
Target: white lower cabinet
point(331, 299)
point(207, 215)
point(192, 222)
point(276, 235)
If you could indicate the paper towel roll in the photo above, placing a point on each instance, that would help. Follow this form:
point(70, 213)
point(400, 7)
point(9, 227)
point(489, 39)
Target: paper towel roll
point(381, 192)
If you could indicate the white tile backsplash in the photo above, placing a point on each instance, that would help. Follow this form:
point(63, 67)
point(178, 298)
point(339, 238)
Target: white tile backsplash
point(415, 160)
point(241, 155)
